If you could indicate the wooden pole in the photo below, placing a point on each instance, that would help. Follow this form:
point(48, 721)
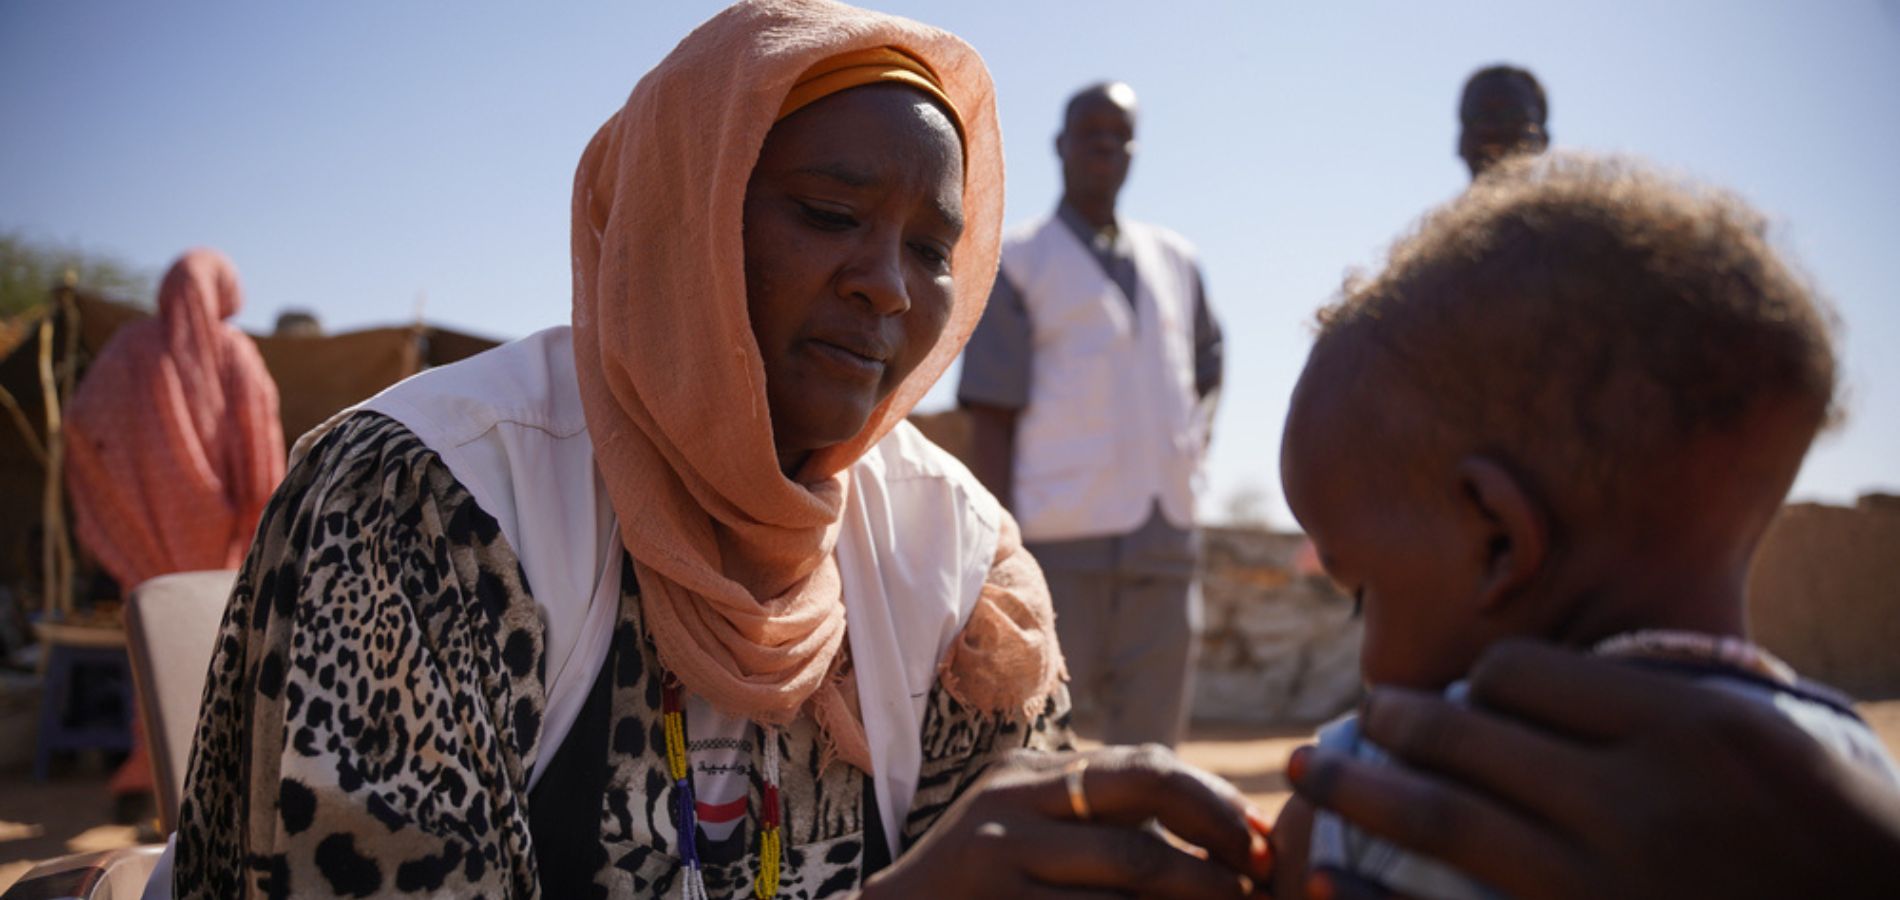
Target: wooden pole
point(56, 552)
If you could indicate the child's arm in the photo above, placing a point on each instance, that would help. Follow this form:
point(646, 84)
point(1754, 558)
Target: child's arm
point(1292, 834)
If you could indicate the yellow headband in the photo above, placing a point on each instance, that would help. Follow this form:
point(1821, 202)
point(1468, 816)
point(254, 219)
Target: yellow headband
point(861, 67)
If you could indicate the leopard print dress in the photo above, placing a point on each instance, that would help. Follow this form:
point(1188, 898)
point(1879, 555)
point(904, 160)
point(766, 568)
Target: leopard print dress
point(373, 711)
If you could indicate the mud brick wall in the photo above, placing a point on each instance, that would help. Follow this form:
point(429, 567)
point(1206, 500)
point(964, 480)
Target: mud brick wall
point(1824, 593)
point(1276, 646)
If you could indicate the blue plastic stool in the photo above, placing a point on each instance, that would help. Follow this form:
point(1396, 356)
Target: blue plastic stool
point(55, 736)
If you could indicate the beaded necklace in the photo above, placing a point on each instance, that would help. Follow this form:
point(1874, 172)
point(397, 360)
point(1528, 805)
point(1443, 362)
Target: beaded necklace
point(770, 842)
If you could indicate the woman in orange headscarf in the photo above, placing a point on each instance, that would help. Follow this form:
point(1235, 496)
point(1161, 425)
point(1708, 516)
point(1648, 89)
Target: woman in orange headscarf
point(674, 602)
point(173, 439)
point(173, 444)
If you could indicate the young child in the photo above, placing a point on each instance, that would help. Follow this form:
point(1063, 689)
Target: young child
point(1567, 409)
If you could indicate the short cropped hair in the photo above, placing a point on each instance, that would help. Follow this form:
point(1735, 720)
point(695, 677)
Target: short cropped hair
point(1509, 73)
point(1590, 314)
point(1091, 92)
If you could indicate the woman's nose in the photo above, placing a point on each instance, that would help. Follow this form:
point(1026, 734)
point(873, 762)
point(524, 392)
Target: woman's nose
point(876, 276)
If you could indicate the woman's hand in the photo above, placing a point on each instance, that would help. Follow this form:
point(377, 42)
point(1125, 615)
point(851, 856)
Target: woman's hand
point(1016, 833)
point(1583, 777)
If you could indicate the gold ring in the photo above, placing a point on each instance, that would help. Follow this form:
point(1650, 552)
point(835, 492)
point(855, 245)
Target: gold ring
point(1078, 798)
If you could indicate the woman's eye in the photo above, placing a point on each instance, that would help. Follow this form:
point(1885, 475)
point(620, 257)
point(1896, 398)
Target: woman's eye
point(828, 219)
point(931, 255)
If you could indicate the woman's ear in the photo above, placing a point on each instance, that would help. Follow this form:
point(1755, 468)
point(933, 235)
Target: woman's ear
point(1518, 528)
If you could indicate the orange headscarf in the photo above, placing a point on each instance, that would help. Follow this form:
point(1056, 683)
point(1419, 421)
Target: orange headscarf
point(738, 582)
point(173, 439)
point(878, 65)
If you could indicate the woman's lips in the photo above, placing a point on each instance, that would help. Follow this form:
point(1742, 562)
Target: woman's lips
point(847, 363)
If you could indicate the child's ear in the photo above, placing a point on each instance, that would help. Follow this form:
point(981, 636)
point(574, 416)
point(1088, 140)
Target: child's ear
point(1517, 536)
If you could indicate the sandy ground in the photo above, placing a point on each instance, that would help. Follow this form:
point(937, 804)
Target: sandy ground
point(70, 813)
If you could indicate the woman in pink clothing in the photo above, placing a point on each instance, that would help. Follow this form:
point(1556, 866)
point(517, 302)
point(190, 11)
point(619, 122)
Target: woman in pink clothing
point(173, 442)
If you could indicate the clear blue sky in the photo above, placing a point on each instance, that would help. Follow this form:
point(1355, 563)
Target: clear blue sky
point(352, 156)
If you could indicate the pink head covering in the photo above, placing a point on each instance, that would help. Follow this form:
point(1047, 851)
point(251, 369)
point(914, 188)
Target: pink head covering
point(173, 439)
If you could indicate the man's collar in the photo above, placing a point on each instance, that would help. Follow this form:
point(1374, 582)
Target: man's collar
point(1089, 234)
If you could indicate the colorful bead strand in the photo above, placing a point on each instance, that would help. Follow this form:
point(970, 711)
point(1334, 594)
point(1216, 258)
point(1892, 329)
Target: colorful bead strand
point(766, 887)
point(674, 724)
point(771, 815)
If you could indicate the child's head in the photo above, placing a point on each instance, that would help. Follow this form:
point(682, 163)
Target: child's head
point(1570, 405)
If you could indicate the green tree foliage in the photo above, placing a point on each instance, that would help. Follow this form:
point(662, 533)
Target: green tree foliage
point(28, 269)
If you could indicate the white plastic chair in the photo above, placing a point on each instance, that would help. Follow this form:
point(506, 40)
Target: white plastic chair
point(171, 629)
